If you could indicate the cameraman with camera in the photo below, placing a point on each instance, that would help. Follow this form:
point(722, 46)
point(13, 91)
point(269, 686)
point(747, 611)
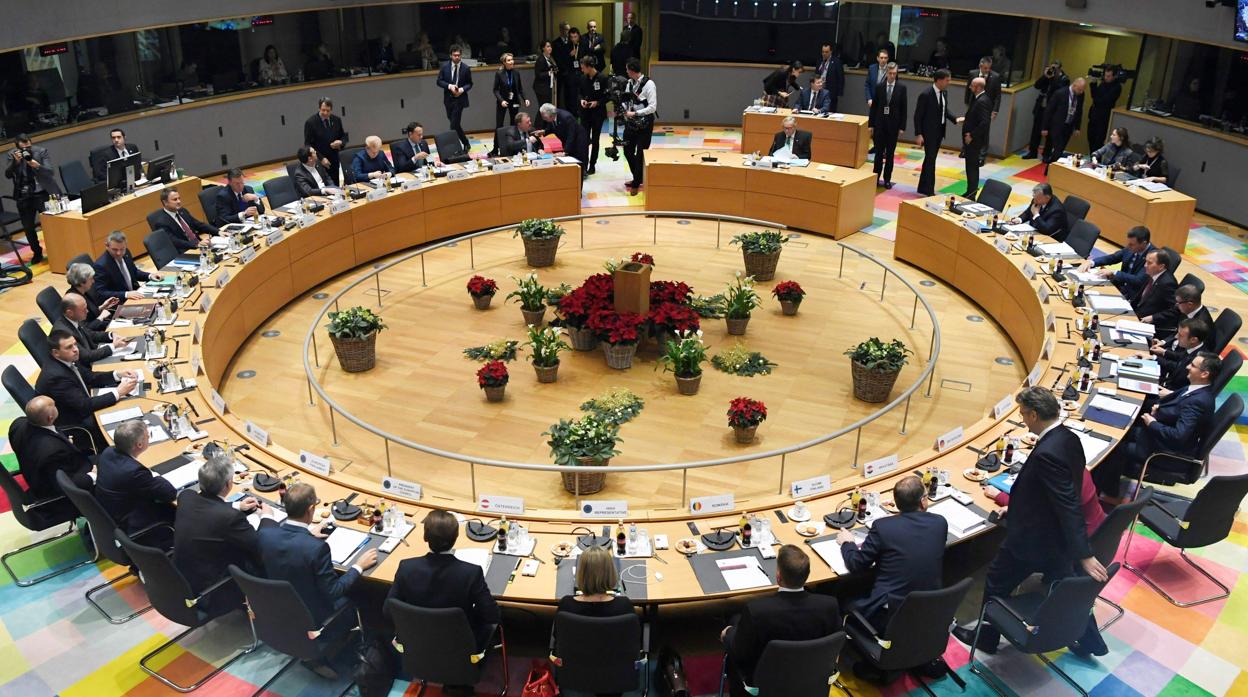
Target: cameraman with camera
point(641, 104)
point(30, 168)
point(1052, 80)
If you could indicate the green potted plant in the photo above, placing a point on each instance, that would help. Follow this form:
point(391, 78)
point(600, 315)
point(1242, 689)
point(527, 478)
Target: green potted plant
point(684, 356)
point(493, 378)
point(739, 301)
point(587, 441)
point(353, 332)
point(875, 367)
point(482, 290)
point(744, 416)
point(545, 345)
point(790, 295)
point(532, 298)
point(761, 251)
point(541, 240)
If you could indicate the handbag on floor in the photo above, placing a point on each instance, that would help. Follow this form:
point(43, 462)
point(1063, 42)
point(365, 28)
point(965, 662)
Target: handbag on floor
point(541, 682)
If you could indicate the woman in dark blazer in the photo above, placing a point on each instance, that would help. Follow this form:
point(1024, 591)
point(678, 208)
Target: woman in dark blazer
point(1153, 167)
point(544, 74)
point(508, 91)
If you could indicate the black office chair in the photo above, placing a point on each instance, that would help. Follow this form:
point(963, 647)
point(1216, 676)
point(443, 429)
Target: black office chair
point(35, 340)
point(1225, 326)
point(280, 191)
point(170, 593)
point(916, 634)
point(1168, 469)
point(437, 645)
point(1176, 258)
point(208, 201)
point(1082, 238)
point(74, 177)
point(1107, 537)
point(995, 193)
point(49, 302)
point(1231, 365)
point(450, 150)
point(291, 168)
point(1038, 623)
point(80, 259)
point(1191, 523)
point(7, 220)
point(601, 654)
point(796, 668)
point(280, 619)
point(160, 248)
point(37, 516)
point(17, 386)
point(1192, 280)
point(104, 536)
point(98, 157)
point(1172, 177)
point(1076, 208)
point(345, 158)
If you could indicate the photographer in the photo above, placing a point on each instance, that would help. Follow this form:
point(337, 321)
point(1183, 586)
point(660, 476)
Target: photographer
point(642, 99)
point(30, 168)
point(1052, 80)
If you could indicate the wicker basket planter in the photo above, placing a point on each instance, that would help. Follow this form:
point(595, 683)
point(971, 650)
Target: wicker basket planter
point(547, 374)
point(494, 394)
point(541, 252)
point(736, 327)
point(761, 266)
point(482, 302)
point(619, 356)
point(533, 317)
point(688, 386)
point(582, 339)
point(744, 434)
point(870, 385)
point(789, 307)
point(578, 483)
point(356, 355)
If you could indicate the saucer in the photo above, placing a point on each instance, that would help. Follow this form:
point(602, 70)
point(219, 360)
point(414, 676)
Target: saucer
point(792, 514)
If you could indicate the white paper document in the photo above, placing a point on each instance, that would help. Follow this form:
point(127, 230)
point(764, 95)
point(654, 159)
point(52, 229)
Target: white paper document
point(962, 520)
point(184, 476)
point(1057, 249)
point(1109, 304)
point(112, 418)
point(254, 517)
point(1092, 446)
point(830, 552)
point(475, 555)
point(1132, 385)
point(1128, 325)
point(343, 542)
point(741, 573)
point(1019, 228)
point(1087, 277)
point(1154, 187)
point(1116, 406)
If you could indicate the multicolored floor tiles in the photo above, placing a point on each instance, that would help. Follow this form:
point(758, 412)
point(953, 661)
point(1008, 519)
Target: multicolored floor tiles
point(52, 643)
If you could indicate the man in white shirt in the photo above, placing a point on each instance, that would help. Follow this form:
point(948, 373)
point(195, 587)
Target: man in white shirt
point(310, 176)
point(93, 345)
point(639, 126)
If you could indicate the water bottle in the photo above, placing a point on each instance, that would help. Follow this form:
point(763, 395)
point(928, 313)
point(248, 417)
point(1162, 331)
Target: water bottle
point(513, 537)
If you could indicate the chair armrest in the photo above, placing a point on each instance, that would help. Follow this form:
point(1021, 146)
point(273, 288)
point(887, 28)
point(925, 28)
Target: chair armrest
point(207, 591)
point(1168, 456)
point(1014, 613)
point(858, 617)
point(43, 502)
point(1179, 521)
point(95, 448)
point(149, 529)
point(312, 635)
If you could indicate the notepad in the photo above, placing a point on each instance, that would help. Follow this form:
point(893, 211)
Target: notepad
point(741, 573)
point(184, 476)
point(1019, 228)
point(343, 543)
point(962, 520)
point(1134, 327)
point(830, 551)
point(1133, 385)
point(1057, 249)
point(475, 555)
point(112, 418)
point(253, 518)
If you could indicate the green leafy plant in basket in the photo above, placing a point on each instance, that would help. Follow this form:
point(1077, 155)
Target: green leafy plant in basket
point(740, 299)
point(538, 229)
point(529, 293)
point(761, 242)
point(545, 344)
point(354, 323)
point(684, 355)
point(880, 357)
point(588, 438)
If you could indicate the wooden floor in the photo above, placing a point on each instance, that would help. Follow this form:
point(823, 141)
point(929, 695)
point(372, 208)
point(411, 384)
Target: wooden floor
point(424, 389)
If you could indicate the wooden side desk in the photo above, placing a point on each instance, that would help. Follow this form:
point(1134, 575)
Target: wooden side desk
point(1116, 208)
point(840, 141)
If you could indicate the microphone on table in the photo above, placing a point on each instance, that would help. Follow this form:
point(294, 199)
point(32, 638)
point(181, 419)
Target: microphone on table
point(706, 156)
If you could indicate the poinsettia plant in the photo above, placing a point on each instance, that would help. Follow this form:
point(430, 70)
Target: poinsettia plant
point(669, 292)
point(615, 327)
point(671, 317)
point(789, 291)
point(492, 374)
point(642, 258)
point(480, 286)
point(744, 412)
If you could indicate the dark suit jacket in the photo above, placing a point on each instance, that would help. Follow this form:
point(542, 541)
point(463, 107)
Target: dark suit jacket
point(99, 168)
point(1167, 321)
point(109, 283)
point(292, 554)
point(1181, 417)
point(1045, 521)
point(40, 454)
point(442, 581)
point(907, 551)
point(92, 345)
point(131, 494)
point(789, 616)
point(1132, 272)
point(305, 185)
point(462, 79)
point(992, 88)
point(833, 73)
point(1055, 112)
point(229, 206)
point(895, 121)
point(571, 133)
point(928, 121)
point(75, 406)
point(1052, 220)
point(1158, 298)
point(1174, 367)
point(978, 120)
point(500, 88)
point(318, 136)
point(45, 175)
point(823, 101)
point(512, 142)
point(404, 155)
point(801, 144)
point(209, 535)
point(159, 220)
point(872, 81)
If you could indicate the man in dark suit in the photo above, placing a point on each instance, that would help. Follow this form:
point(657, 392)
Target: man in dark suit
point(1191, 338)
point(324, 131)
point(792, 614)
point(975, 127)
point(1045, 213)
point(1187, 305)
point(569, 132)
point(1045, 529)
point(520, 137)
point(1050, 81)
point(831, 71)
point(634, 34)
point(210, 534)
point(888, 120)
point(412, 152)
point(34, 180)
point(907, 551)
point(181, 228)
point(1131, 275)
point(309, 176)
point(455, 79)
point(592, 100)
point(992, 88)
point(93, 345)
point(814, 97)
point(119, 148)
point(1159, 287)
point(876, 72)
point(931, 114)
point(235, 201)
point(595, 44)
point(69, 386)
point(1105, 96)
point(116, 276)
point(1173, 425)
point(42, 451)
point(128, 491)
point(1063, 117)
point(795, 142)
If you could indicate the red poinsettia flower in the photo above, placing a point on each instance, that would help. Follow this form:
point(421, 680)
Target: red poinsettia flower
point(492, 374)
point(669, 292)
point(788, 290)
point(744, 412)
point(600, 287)
point(615, 327)
point(642, 258)
point(480, 285)
point(671, 317)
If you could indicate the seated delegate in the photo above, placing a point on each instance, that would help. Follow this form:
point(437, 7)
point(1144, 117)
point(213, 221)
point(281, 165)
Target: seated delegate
point(520, 137)
point(1187, 305)
point(42, 451)
point(69, 385)
point(310, 176)
point(1045, 213)
point(1117, 153)
point(116, 275)
point(235, 202)
point(412, 152)
point(371, 164)
point(181, 228)
point(1153, 167)
point(815, 98)
point(1157, 293)
point(81, 280)
point(93, 345)
point(1190, 339)
point(1130, 276)
point(790, 143)
point(134, 497)
point(596, 582)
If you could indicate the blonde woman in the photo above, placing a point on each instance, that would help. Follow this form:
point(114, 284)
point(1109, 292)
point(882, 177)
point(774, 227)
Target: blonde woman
point(596, 579)
point(508, 91)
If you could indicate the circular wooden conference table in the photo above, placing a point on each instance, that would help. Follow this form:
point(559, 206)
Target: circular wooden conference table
point(222, 318)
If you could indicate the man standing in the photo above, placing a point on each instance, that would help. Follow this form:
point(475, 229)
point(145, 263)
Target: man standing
point(594, 44)
point(975, 127)
point(643, 104)
point(235, 202)
point(992, 87)
point(1062, 119)
point(34, 179)
point(569, 132)
point(593, 103)
point(1105, 95)
point(888, 120)
point(456, 79)
point(832, 72)
point(1052, 80)
point(182, 228)
point(561, 51)
point(931, 114)
point(875, 76)
point(634, 34)
point(324, 132)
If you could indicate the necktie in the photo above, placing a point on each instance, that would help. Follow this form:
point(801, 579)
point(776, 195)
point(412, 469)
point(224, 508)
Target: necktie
point(812, 100)
point(455, 74)
point(326, 122)
point(789, 144)
point(125, 273)
point(943, 112)
point(1148, 288)
point(888, 96)
point(186, 229)
point(77, 374)
point(238, 198)
point(1070, 106)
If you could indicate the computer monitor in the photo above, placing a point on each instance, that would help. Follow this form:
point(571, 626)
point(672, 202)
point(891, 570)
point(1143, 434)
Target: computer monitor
point(117, 170)
point(94, 196)
point(158, 169)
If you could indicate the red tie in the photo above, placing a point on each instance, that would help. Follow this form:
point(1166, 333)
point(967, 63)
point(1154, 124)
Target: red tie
point(186, 228)
point(1147, 287)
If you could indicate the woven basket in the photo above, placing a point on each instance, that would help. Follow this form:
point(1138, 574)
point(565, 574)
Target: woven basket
point(789, 307)
point(533, 317)
point(744, 434)
point(356, 355)
point(539, 253)
point(736, 327)
point(494, 394)
point(870, 385)
point(482, 302)
point(547, 373)
point(585, 482)
point(582, 339)
point(761, 266)
point(688, 386)
point(619, 356)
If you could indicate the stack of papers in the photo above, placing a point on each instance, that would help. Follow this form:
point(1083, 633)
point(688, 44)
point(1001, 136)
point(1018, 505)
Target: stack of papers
point(343, 544)
point(112, 418)
point(1140, 368)
point(1154, 187)
point(1093, 446)
point(1109, 304)
point(962, 520)
point(1111, 411)
point(475, 555)
point(741, 573)
point(1058, 249)
point(1134, 327)
point(1088, 278)
point(184, 476)
point(1019, 229)
point(977, 208)
point(1133, 385)
point(829, 551)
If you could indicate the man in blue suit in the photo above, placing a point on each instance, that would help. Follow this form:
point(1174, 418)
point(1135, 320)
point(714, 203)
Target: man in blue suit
point(815, 97)
point(830, 69)
point(412, 152)
point(235, 201)
point(456, 79)
point(116, 276)
point(875, 76)
point(1131, 275)
point(132, 495)
point(1045, 213)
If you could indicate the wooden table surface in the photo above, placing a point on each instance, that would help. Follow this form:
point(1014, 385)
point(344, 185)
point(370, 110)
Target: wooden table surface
point(1116, 207)
point(838, 141)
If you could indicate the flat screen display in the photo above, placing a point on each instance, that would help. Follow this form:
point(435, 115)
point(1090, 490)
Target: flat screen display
point(1241, 21)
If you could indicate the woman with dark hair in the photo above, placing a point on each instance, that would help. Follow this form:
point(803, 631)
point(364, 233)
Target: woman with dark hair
point(1117, 153)
point(545, 73)
point(272, 69)
point(1153, 167)
point(780, 84)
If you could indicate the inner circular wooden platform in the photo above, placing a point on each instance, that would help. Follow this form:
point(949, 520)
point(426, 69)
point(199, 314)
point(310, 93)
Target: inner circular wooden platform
point(425, 389)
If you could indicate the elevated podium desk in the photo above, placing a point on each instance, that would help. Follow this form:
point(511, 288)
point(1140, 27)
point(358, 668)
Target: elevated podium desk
point(827, 199)
point(838, 141)
point(1116, 207)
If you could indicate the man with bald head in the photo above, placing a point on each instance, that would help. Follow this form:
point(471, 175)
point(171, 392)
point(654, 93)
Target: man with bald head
point(1062, 119)
point(42, 450)
point(975, 127)
point(93, 345)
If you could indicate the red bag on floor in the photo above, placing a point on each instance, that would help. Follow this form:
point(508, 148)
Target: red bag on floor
point(541, 682)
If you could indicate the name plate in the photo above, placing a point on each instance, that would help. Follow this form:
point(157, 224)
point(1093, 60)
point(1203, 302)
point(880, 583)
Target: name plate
point(197, 332)
point(195, 366)
point(712, 504)
point(488, 503)
point(1050, 321)
point(206, 303)
point(218, 402)
point(504, 167)
point(409, 184)
point(247, 254)
point(1042, 292)
point(1029, 271)
point(377, 194)
point(256, 433)
point(935, 206)
point(1047, 352)
point(880, 466)
point(457, 174)
point(278, 235)
point(1003, 407)
point(603, 509)
point(973, 225)
point(403, 488)
point(338, 206)
point(223, 279)
point(1034, 376)
point(949, 440)
point(808, 487)
point(1002, 246)
point(314, 462)
point(304, 220)
point(543, 162)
